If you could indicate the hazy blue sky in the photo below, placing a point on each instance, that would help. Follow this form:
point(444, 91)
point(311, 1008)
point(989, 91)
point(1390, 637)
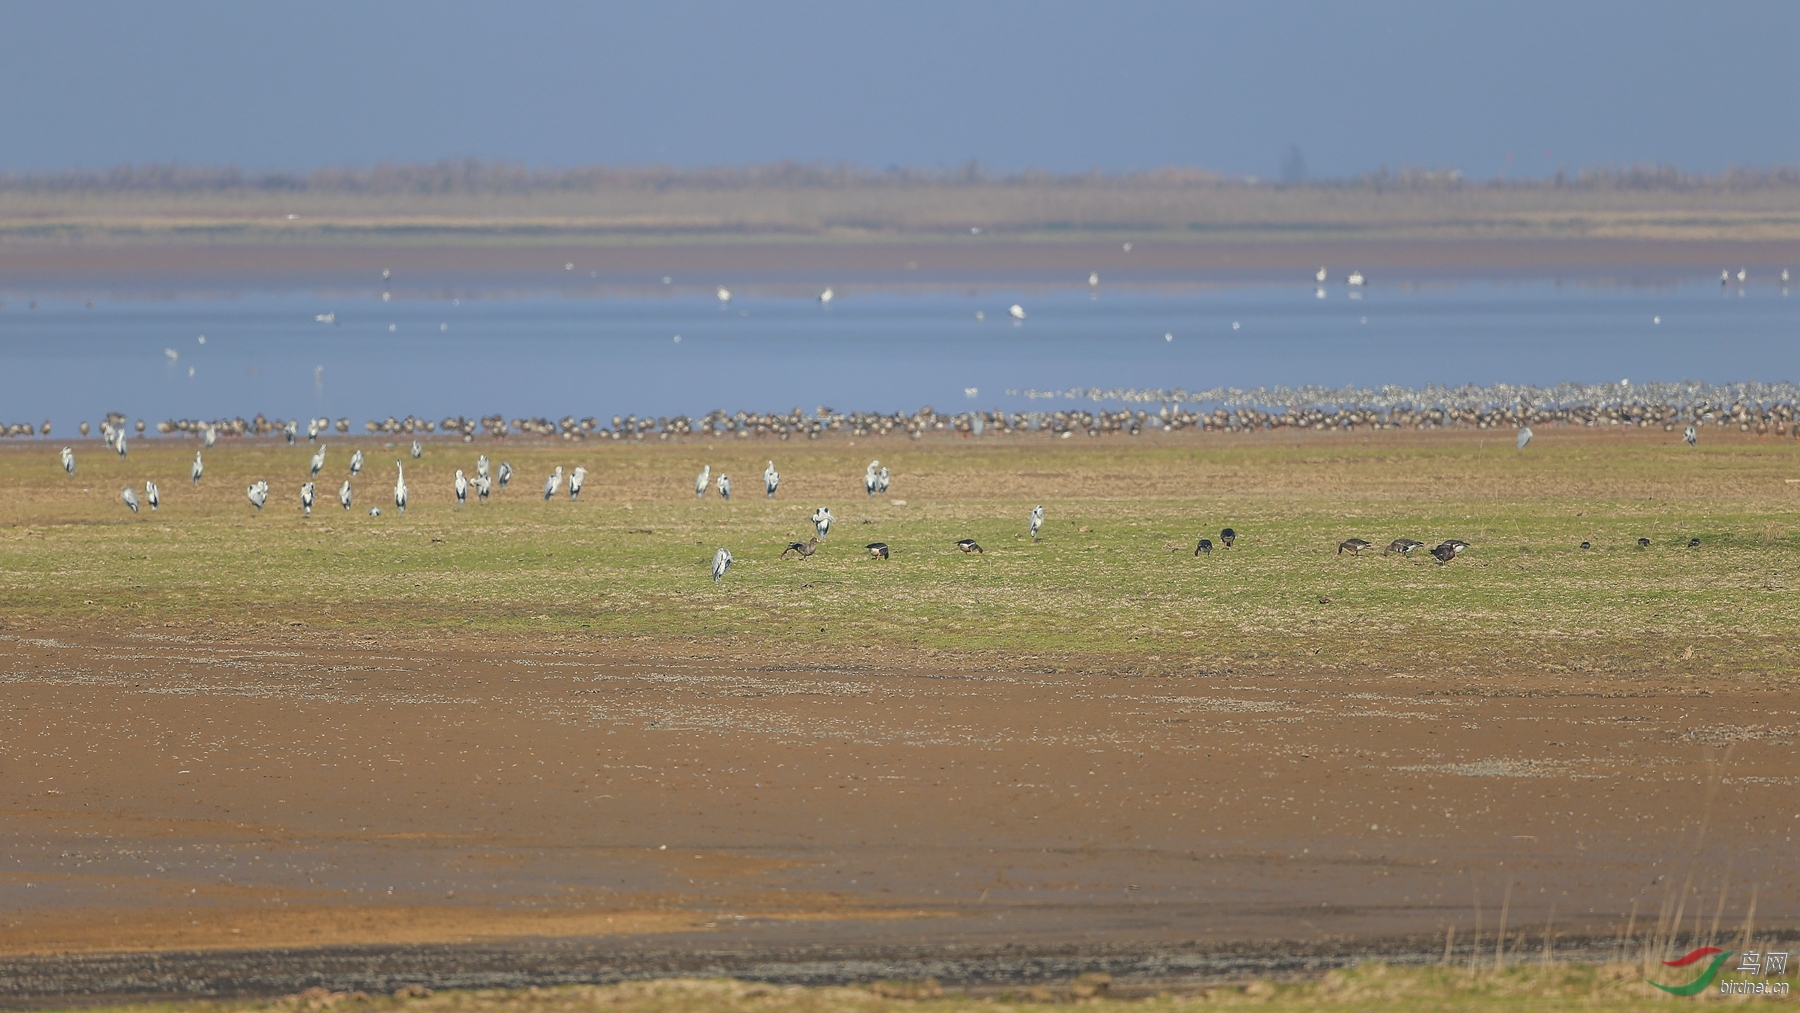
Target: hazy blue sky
point(1060, 86)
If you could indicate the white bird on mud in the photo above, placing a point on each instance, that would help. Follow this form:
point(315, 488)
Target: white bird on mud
point(152, 494)
point(462, 488)
point(721, 563)
point(400, 489)
point(481, 466)
point(724, 487)
point(258, 493)
point(821, 519)
point(356, 464)
point(1037, 520)
point(198, 469)
point(771, 479)
point(702, 481)
point(505, 474)
point(417, 450)
point(318, 460)
point(129, 497)
point(345, 496)
point(577, 479)
point(306, 497)
point(68, 460)
point(552, 483)
point(212, 436)
point(881, 480)
point(1524, 437)
point(1691, 435)
point(483, 486)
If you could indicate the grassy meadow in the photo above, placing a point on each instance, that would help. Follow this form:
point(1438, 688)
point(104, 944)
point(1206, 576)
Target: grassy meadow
point(1113, 583)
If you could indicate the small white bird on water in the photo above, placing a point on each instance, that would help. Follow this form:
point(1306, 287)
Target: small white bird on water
point(345, 496)
point(400, 489)
point(553, 483)
point(724, 487)
point(152, 494)
point(821, 519)
point(1356, 280)
point(577, 479)
point(1524, 437)
point(306, 497)
point(771, 479)
point(129, 497)
point(356, 460)
point(1320, 276)
point(825, 297)
point(704, 479)
point(721, 563)
point(68, 460)
point(1691, 435)
point(318, 460)
point(1017, 311)
point(1037, 520)
point(724, 294)
point(462, 489)
point(198, 469)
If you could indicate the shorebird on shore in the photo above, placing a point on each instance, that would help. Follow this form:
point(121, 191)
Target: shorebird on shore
point(130, 498)
point(721, 561)
point(306, 498)
point(462, 488)
point(400, 489)
point(822, 519)
point(877, 550)
point(1037, 520)
point(1354, 546)
point(804, 549)
point(968, 545)
point(1404, 546)
point(152, 494)
point(771, 480)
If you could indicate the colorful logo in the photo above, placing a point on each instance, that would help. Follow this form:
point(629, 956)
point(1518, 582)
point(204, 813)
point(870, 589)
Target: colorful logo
point(1719, 957)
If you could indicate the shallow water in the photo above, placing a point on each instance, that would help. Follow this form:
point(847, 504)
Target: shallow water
point(602, 354)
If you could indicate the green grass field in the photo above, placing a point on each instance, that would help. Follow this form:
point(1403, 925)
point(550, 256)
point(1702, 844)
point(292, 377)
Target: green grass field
point(1113, 582)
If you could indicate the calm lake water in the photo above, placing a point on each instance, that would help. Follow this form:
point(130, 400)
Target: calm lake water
point(680, 350)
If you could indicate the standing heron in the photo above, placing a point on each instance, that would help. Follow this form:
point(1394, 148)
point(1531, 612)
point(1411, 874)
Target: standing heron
point(345, 496)
point(724, 487)
point(417, 450)
point(291, 431)
point(400, 489)
point(1691, 435)
point(356, 460)
point(821, 519)
point(1037, 520)
point(483, 486)
point(306, 497)
point(481, 466)
point(312, 430)
point(771, 479)
point(505, 474)
point(870, 479)
point(318, 460)
point(721, 563)
point(702, 481)
point(1524, 437)
point(68, 461)
point(152, 494)
point(579, 476)
point(881, 480)
point(212, 436)
point(129, 497)
point(198, 469)
point(258, 494)
point(462, 489)
point(552, 483)
point(119, 443)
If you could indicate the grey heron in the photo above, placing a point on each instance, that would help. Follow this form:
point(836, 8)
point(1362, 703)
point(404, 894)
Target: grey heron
point(400, 488)
point(68, 460)
point(417, 450)
point(881, 480)
point(212, 435)
point(505, 474)
point(1354, 546)
point(318, 460)
point(258, 494)
point(462, 489)
point(345, 496)
point(1691, 435)
point(356, 461)
point(721, 563)
point(1228, 536)
point(119, 443)
point(129, 497)
point(481, 466)
point(771, 479)
point(152, 494)
point(1404, 546)
point(822, 519)
point(306, 497)
point(803, 549)
point(702, 481)
point(1524, 437)
point(878, 550)
point(968, 545)
point(483, 486)
point(1203, 547)
point(578, 478)
point(870, 479)
point(724, 487)
point(291, 431)
point(1037, 520)
point(198, 469)
point(312, 430)
point(552, 483)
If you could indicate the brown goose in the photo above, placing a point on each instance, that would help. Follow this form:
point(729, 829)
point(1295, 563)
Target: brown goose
point(1354, 546)
point(805, 549)
point(1404, 546)
point(1443, 553)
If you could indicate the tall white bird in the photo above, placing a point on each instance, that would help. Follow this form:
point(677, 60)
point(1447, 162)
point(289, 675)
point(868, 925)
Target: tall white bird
point(258, 493)
point(345, 496)
point(306, 497)
point(481, 466)
point(198, 469)
point(552, 483)
point(701, 482)
point(821, 519)
point(870, 478)
point(400, 489)
point(577, 479)
point(505, 474)
point(1037, 520)
point(312, 430)
point(825, 296)
point(152, 494)
point(1524, 437)
point(483, 486)
point(721, 563)
point(417, 450)
point(724, 487)
point(291, 431)
point(318, 460)
point(771, 480)
point(1691, 435)
point(881, 480)
point(356, 460)
point(1320, 276)
point(119, 443)
point(129, 497)
point(68, 460)
point(212, 436)
point(724, 294)
point(1017, 311)
point(462, 488)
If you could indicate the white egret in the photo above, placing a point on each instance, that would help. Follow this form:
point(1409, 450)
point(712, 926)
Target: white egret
point(822, 519)
point(417, 450)
point(198, 469)
point(1037, 521)
point(1356, 280)
point(771, 479)
point(724, 487)
point(1524, 437)
point(129, 497)
point(68, 460)
point(356, 460)
point(462, 489)
point(577, 479)
point(152, 494)
point(721, 563)
point(306, 497)
point(345, 496)
point(400, 489)
point(552, 483)
point(701, 482)
point(1017, 311)
point(318, 460)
